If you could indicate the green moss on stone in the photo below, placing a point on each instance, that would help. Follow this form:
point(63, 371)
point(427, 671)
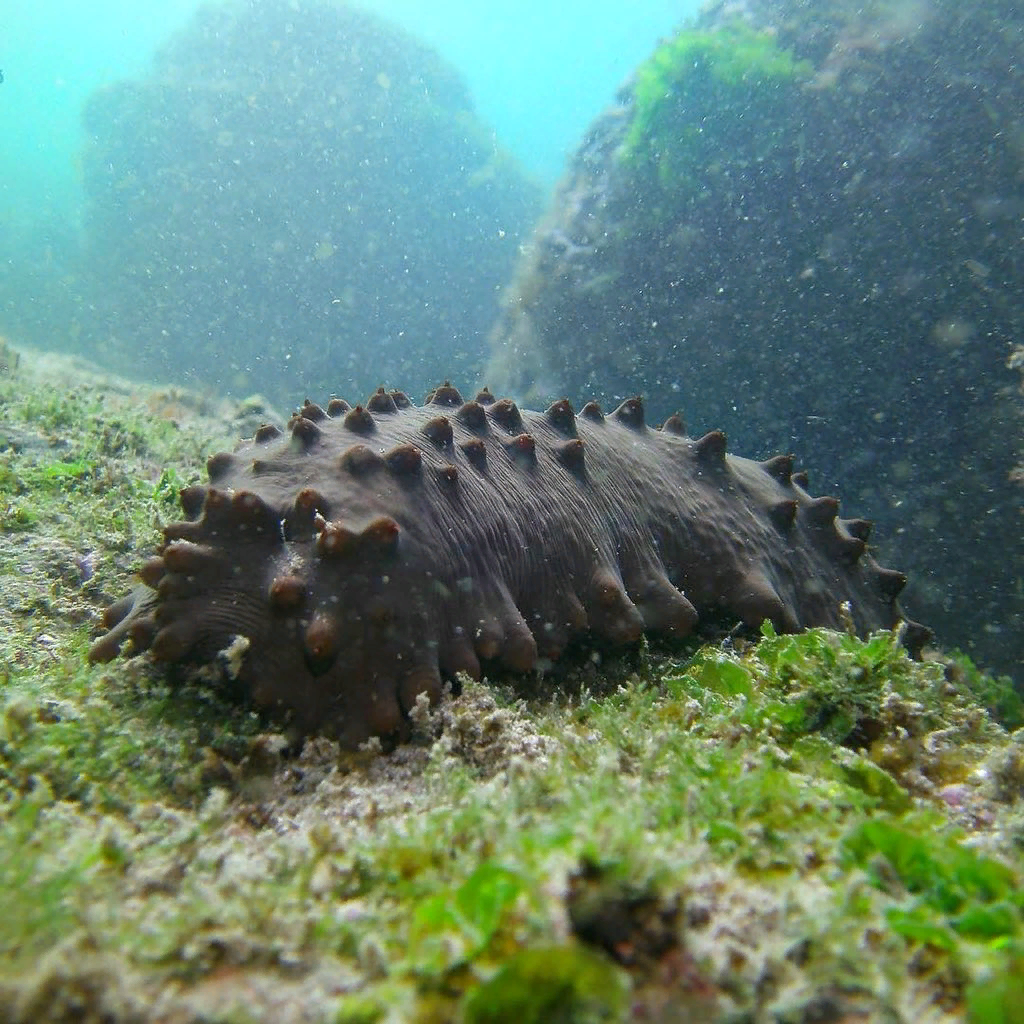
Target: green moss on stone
point(725, 83)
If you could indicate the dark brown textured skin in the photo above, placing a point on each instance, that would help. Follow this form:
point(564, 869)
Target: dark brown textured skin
point(366, 554)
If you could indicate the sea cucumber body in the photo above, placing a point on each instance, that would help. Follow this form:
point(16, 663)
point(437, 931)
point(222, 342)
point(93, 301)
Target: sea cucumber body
point(364, 554)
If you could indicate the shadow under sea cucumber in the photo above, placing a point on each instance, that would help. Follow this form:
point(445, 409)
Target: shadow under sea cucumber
point(352, 562)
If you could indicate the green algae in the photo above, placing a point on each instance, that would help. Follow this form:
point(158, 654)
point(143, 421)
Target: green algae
point(735, 76)
point(561, 985)
point(772, 810)
point(995, 694)
point(997, 996)
point(35, 910)
point(69, 732)
point(456, 927)
point(953, 891)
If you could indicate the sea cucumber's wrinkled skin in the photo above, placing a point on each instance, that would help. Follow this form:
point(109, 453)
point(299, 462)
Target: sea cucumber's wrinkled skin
point(366, 554)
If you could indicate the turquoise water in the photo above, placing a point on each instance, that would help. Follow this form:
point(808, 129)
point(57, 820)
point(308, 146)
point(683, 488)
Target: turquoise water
point(53, 54)
point(538, 71)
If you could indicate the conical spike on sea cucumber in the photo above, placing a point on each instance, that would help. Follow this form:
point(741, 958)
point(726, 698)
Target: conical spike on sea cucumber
point(779, 467)
point(631, 413)
point(359, 421)
point(560, 415)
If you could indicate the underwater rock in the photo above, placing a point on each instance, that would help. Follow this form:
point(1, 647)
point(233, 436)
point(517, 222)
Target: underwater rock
point(809, 222)
point(348, 564)
point(295, 192)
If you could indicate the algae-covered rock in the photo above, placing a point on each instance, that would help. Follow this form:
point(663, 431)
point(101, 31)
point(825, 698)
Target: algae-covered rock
point(296, 195)
point(802, 226)
point(813, 827)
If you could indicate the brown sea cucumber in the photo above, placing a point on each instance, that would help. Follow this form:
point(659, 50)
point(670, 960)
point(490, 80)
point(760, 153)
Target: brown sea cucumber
point(348, 564)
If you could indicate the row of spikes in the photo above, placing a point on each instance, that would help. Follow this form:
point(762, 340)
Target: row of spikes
point(173, 573)
point(847, 538)
point(405, 462)
point(710, 449)
point(310, 510)
point(246, 511)
point(185, 560)
point(171, 636)
point(473, 414)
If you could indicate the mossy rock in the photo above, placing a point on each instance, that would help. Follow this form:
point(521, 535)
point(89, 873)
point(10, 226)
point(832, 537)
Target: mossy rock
point(735, 75)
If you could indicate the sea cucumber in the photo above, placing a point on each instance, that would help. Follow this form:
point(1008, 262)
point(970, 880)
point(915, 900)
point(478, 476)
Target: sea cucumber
point(358, 558)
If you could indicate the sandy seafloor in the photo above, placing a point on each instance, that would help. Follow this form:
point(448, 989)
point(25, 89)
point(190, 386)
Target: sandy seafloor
point(804, 829)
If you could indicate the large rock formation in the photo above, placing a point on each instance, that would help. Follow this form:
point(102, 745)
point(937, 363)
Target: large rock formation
point(298, 196)
point(807, 231)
